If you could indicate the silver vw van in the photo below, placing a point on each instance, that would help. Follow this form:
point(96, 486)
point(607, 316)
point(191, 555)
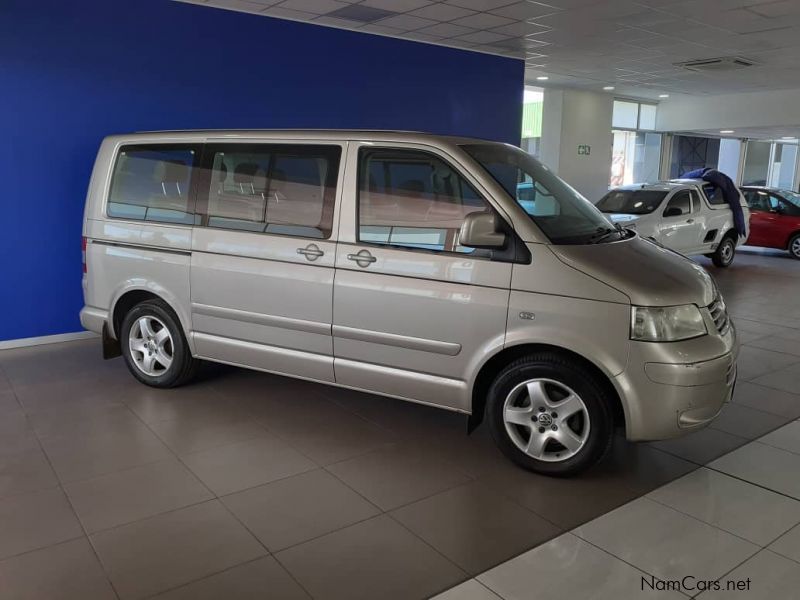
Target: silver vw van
point(405, 265)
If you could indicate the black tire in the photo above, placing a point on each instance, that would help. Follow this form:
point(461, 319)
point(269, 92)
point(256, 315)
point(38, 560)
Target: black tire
point(182, 367)
point(562, 370)
point(726, 251)
point(794, 246)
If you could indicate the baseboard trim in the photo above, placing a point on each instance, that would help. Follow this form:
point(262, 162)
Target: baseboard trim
point(47, 339)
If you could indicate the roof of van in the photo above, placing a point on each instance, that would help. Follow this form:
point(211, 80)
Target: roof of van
point(299, 134)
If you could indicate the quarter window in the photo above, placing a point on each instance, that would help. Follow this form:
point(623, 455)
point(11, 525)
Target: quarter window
point(278, 189)
point(152, 183)
point(413, 199)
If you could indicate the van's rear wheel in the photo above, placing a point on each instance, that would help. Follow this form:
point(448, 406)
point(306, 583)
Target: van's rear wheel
point(155, 347)
point(549, 414)
point(723, 256)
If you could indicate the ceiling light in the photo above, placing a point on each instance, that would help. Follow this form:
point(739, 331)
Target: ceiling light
point(663, 95)
point(788, 137)
point(608, 88)
point(726, 130)
point(542, 78)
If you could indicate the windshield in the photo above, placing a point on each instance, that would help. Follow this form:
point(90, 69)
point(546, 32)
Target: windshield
point(562, 214)
point(631, 202)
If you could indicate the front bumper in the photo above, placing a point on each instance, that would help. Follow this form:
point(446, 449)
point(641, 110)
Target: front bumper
point(666, 396)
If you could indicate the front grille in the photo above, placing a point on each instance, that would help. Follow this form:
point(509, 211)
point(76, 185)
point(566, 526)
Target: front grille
point(719, 312)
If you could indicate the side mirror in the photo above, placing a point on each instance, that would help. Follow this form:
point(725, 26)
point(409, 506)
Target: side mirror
point(673, 211)
point(778, 209)
point(480, 230)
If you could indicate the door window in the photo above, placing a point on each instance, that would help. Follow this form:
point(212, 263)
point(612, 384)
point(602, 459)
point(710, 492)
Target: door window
point(413, 199)
point(152, 183)
point(279, 189)
point(681, 201)
point(758, 201)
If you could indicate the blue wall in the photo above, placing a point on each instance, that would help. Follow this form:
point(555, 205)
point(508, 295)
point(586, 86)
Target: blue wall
point(74, 71)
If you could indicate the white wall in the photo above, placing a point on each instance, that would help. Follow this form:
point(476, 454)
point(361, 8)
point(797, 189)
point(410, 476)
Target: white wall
point(572, 118)
point(731, 111)
point(730, 155)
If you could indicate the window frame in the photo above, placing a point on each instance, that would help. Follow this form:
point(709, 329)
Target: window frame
point(478, 253)
point(194, 169)
point(206, 169)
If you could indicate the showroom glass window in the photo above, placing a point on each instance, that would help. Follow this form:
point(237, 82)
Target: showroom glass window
point(271, 188)
point(153, 183)
point(413, 199)
point(636, 154)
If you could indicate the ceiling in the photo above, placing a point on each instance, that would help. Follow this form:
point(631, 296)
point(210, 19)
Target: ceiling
point(630, 44)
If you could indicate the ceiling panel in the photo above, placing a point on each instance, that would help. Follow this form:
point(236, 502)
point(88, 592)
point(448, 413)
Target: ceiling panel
point(631, 44)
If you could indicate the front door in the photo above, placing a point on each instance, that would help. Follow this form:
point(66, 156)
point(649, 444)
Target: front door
point(263, 257)
point(414, 312)
point(680, 230)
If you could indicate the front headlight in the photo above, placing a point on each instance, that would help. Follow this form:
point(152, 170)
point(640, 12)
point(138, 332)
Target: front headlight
point(666, 324)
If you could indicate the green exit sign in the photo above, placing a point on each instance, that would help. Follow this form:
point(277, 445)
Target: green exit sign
point(584, 149)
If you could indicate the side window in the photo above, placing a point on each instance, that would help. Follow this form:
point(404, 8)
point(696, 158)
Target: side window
point(153, 183)
point(413, 199)
point(774, 202)
point(270, 188)
point(713, 194)
point(758, 201)
point(681, 201)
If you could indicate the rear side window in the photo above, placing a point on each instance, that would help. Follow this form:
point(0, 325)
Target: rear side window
point(266, 188)
point(413, 199)
point(631, 202)
point(153, 183)
point(680, 201)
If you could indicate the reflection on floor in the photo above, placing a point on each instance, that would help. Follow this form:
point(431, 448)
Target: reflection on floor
point(251, 485)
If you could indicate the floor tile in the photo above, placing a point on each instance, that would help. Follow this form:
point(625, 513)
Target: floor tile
point(777, 402)
point(61, 391)
point(27, 472)
point(377, 558)
point(184, 436)
point(568, 567)
point(36, 520)
point(296, 509)
point(8, 402)
point(746, 422)
point(664, 542)
point(471, 589)
point(133, 494)
point(16, 435)
point(81, 419)
point(701, 447)
point(67, 571)
point(788, 544)
point(393, 477)
point(786, 438)
point(263, 578)
point(748, 511)
point(773, 468)
point(173, 549)
point(766, 576)
point(75, 458)
point(195, 404)
point(475, 527)
point(754, 362)
point(235, 467)
point(776, 343)
point(786, 379)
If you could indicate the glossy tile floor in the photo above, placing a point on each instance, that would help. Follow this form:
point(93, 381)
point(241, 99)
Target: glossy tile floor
point(248, 485)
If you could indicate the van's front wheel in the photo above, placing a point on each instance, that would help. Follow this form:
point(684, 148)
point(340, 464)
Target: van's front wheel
point(154, 346)
point(548, 414)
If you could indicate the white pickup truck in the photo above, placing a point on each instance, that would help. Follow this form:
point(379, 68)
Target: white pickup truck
point(689, 216)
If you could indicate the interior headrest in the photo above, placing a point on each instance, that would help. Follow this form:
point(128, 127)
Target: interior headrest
point(245, 172)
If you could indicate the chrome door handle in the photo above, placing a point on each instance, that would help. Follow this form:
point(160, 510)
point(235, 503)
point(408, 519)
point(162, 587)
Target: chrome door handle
point(363, 258)
point(311, 252)
point(690, 220)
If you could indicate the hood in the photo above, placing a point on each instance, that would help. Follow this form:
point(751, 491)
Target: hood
point(650, 275)
point(622, 218)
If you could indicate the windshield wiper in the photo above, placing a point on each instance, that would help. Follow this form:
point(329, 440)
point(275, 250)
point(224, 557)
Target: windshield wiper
point(605, 232)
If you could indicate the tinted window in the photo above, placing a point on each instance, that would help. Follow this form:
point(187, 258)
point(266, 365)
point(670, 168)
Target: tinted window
point(682, 201)
point(757, 200)
point(562, 214)
point(631, 202)
point(152, 183)
point(278, 189)
point(413, 199)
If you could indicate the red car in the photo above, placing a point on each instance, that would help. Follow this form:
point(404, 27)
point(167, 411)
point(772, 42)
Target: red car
point(774, 218)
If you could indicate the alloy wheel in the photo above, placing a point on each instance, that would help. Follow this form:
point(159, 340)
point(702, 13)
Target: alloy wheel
point(151, 346)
